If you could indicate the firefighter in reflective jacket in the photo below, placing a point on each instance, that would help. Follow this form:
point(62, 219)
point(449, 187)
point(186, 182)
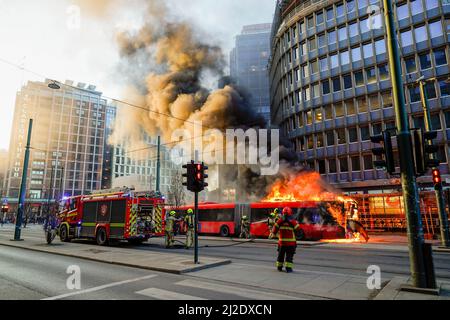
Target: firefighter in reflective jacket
point(287, 226)
point(245, 228)
point(273, 217)
point(189, 221)
point(170, 222)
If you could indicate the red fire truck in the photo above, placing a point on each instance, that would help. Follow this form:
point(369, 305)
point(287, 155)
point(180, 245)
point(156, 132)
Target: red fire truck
point(124, 215)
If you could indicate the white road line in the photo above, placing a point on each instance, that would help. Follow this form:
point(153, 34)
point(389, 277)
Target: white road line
point(245, 293)
point(114, 284)
point(161, 294)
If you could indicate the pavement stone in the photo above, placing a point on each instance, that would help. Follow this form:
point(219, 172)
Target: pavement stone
point(392, 291)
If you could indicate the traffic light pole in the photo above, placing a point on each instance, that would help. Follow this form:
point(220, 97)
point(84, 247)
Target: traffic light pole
point(23, 186)
point(443, 218)
point(196, 229)
point(409, 186)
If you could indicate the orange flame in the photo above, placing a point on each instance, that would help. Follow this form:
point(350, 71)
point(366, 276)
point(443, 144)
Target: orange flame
point(307, 186)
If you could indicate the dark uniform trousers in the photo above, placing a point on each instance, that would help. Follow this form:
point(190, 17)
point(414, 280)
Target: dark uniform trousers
point(286, 256)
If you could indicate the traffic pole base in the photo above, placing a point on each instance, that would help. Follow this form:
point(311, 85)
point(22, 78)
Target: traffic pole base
point(16, 240)
point(412, 289)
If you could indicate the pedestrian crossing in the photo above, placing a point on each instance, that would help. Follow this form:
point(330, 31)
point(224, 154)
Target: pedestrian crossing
point(243, 293)
point(161, 294)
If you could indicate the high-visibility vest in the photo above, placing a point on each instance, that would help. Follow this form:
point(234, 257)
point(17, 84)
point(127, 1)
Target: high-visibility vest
point(286, 232)
point(189, 220)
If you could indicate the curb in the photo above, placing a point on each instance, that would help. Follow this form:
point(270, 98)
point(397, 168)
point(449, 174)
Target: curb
point(124, 264)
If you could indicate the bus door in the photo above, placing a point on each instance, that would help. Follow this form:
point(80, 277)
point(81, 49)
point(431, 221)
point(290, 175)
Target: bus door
point(240, 211)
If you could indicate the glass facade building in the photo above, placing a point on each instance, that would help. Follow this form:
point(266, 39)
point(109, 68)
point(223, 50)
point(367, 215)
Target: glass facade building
point(330, 86)
point(248, 65)
point(66, 144)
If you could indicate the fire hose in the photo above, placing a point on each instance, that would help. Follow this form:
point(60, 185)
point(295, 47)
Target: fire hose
point(237, 243)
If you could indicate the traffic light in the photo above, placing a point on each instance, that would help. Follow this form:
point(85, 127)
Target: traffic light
point(425, 151)
point(385, 151)
point(190, 176)
point(195, 176)
point(430, 149)
point(201, 176)
point(437, 180)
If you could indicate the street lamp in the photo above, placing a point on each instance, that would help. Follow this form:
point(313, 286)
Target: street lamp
point(54, 85)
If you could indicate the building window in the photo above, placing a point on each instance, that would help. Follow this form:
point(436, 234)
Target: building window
point(374, 103)
point(312, 44)
point(371, 75)
point(323, 64)
point(407, 39)
point(356, 164)
point(332, 37)
point(421, 34)
point(332, 165)
point(365, 133)
point(318, 115)
point(319, 18)
point(322, 169)
point(326, 87)
point(328, 112)
point(353, 135)
point(330, 14)
point(359, 78)
point(345, 58)
point(310, 22)
point(425, 61)
point(322, 41)
point(348, 84)
point(402, 11)
point(350, 107)
point(431, 90)
point(416, 6)
point(342, 139)
point(444, 86)
point(368, 51)
point(339, 110)
point(362, 105)
point(351, 6)
point(364, 25)
point(380, 47)
point(319, 140)
point(436, 29)
point(387, 99)
point(356, 54)
point(337, 85)
point(436, 122)
point(368, 162)
point(342, 32)
point(440, 57)
point(334, 61)
point(414, 94)
point(314, 67)
point(353, 30)
point(377, 128)
point(302, 27)
point(330, 138)
point(340, 10)
point(343, 162)
point(384, 72)
point(410, 64)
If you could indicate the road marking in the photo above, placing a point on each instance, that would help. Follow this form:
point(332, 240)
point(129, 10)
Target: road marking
point(245, 293)
point(115, 284)
point(161, 294)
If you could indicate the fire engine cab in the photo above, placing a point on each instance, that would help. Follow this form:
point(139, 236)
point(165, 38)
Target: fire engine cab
point(116, 215)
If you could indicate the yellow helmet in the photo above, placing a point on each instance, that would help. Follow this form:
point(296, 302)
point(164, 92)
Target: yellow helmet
point(173, 213)
point(190, 211)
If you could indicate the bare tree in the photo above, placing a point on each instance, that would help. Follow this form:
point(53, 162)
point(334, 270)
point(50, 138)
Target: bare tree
point(176, 192)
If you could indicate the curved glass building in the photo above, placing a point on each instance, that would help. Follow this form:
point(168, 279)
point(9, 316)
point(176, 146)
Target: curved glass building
point(330, 84)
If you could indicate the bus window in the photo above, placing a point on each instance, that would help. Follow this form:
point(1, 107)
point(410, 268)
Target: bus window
point(258, 215)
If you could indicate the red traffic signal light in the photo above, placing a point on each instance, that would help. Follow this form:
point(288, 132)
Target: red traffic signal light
point(437, 180)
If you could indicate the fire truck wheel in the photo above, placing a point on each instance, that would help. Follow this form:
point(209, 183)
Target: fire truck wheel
point(64, 234)
point(224, 231)
point(101, 237)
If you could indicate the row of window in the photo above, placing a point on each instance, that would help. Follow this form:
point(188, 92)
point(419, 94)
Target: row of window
point(421, 33)
point(341, 9)
point(370, 76)
point(360, 133)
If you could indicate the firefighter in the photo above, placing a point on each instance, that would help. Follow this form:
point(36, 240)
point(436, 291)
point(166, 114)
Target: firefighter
point(273, 217)
point(245, 228)
point(169, 230)
point(189, 221)
point(287, 244)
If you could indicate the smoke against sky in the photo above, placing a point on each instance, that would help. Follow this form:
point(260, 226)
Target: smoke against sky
point(36, 34)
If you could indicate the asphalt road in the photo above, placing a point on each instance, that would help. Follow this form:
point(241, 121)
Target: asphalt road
point(33, 275)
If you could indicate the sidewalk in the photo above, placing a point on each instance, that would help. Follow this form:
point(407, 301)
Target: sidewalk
point(156, 261)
